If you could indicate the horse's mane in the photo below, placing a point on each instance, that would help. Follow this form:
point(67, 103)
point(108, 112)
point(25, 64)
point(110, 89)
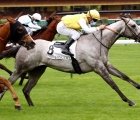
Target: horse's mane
point(51, 18)
point(120, 18)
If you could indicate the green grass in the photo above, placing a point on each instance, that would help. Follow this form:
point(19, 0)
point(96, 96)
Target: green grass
point(57, 96)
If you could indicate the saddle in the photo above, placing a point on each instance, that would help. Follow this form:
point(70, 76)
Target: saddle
point(74, 62)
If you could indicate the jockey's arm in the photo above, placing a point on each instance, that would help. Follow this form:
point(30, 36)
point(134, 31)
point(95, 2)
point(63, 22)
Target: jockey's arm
point(31, 25)
point(85, 27)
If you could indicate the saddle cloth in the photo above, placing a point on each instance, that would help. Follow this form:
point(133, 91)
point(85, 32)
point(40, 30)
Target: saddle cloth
point(55, 52)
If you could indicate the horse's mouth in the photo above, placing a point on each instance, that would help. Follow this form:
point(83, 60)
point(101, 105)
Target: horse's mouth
point(28, 45)
point(137, 39)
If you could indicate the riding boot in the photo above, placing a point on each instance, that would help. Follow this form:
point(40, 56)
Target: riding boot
point(65, 49)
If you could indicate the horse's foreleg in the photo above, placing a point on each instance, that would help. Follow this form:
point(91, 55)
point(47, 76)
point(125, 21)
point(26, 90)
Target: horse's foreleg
point(9, 86)
point(103, 72)
point(6, 69)
point(114, 71)
point(34, 76)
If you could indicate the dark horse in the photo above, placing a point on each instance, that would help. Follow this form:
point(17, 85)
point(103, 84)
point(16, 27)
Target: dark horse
point(15, 32)
point(47, 34)
point(91, 54)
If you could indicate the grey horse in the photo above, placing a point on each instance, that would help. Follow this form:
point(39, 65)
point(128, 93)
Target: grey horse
point(91, 54)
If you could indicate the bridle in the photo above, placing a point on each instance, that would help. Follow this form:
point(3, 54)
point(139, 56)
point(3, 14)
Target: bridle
point(24, 43)
point(137, 38)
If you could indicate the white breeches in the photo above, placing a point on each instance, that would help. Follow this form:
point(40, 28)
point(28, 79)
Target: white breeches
point(62, 29)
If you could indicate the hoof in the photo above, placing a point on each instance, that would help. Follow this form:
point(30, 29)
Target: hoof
point(18, 108)
point(132, 104)
point(138, 87)
point(1, 95)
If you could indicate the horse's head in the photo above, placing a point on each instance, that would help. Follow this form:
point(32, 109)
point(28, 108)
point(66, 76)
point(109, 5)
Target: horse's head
point(18, 34)
point(55, 18)
point(132, 30)
point(53, 21)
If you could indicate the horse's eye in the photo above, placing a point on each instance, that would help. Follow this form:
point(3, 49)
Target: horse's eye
point(134, 26)
point(20, 30)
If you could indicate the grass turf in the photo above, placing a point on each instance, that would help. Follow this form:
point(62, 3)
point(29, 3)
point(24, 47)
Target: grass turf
point(57, 96)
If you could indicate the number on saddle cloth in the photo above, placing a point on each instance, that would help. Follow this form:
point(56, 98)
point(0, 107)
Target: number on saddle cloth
point(57, 45)
point(51, 50)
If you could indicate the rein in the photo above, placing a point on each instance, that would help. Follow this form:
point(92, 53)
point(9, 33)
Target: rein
point(100, 42)
point(110, 30)
point(116, 33)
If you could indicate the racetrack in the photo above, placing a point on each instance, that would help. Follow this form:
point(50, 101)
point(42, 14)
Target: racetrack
point(83, 97)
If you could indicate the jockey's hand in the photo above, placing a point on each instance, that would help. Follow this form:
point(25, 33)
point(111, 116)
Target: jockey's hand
point(102, 27)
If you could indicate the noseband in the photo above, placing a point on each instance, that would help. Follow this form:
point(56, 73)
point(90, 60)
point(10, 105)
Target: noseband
point(136, 37)
point(22, 42)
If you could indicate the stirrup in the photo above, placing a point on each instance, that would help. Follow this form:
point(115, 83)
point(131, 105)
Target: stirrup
point(67, 53)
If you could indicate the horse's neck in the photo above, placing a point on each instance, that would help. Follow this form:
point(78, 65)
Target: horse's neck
point(2, 45)
point(4, 35)
point(109, 36)
point(5, 31)
point(50, 32)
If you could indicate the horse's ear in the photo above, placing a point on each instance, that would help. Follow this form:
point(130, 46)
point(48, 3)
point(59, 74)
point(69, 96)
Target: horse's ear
point(123, 18)
point(11, 20)
point(53, 14)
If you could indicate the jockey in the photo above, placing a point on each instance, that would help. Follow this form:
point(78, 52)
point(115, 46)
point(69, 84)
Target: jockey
point(30, 22)
point(70, 24)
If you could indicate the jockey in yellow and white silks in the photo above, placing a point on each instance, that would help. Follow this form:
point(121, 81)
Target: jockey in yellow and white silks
point(30, 22)
point(70, 24)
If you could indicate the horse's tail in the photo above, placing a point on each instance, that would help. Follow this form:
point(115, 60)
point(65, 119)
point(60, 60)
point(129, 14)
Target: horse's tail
point(9, 53)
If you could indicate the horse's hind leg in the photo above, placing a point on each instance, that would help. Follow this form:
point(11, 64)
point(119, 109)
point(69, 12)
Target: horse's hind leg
point(103, 72)
point(6, 69)
point(114, 71)
point(34, 76)
point(23, 76)
point(9, 86)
